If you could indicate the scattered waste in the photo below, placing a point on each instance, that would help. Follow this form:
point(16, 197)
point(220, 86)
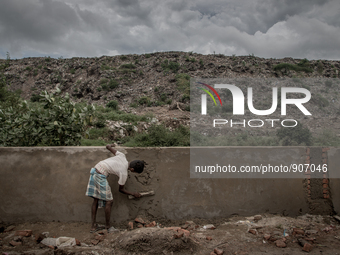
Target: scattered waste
point(59, 242)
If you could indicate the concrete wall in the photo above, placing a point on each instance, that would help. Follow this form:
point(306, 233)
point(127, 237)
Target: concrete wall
point(49, 183)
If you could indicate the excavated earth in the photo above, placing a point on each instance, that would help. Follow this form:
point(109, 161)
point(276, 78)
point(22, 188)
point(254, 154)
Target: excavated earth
point(259, 234)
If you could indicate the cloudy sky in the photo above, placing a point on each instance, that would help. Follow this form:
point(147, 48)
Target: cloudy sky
point(87, 28)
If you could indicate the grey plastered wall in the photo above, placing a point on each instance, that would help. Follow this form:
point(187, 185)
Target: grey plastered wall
point(49, 183)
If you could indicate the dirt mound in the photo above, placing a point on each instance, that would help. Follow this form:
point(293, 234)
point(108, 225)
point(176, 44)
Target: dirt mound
point(155, 241)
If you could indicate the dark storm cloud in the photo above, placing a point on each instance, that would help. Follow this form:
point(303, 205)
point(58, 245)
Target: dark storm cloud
point(266, 28)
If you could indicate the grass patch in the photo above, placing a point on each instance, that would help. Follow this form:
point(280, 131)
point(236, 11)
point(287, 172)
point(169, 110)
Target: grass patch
point(183, 83)
point(160, 136)
point(302, 66)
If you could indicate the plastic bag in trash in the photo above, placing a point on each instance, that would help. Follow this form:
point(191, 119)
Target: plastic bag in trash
point(60, 241)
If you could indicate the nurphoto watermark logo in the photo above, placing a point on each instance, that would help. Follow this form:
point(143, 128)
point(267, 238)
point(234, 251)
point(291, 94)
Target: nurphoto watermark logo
point(238, 99)
point(264, 116)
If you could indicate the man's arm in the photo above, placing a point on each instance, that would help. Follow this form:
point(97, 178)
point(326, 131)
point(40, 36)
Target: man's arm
point(110, 148)
point(124, 191)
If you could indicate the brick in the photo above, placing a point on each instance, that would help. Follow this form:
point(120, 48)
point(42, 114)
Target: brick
point(78, 242)
point(140, 226)
point(325, 176)
point(309, 192)
point(308, 151)
point(252, 231)
point(325, 181)
point(185, 232)
point(308, 187)
point(173, 228)
point(307, 176)
point(324, 155)
point(209, 238)
point(151, 225)
point(325, 186)
point(266, 236)
point(307, 157)
point(324, 161)
point(218, 251)
point(280, 244)
point(130, 224)
point(308, 182)
point(326, 196)
point(298, 231)
point(307, 247)
point(325, 149)
point(25, 233)
point(325, 191)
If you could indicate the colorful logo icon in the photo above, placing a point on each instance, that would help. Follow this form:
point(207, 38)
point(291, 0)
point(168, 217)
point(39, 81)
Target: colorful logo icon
point(208, 92)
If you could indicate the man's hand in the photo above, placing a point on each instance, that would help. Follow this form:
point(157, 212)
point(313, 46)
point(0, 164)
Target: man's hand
point(137, 195)
point(109, 147)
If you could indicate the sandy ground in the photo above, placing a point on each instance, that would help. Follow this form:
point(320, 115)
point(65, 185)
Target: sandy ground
point(263, 234)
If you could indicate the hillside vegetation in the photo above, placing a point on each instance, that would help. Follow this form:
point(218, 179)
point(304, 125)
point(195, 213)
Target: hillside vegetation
point(144, 100)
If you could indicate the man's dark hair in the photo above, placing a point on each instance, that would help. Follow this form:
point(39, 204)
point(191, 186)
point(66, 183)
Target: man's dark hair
point(137, 165)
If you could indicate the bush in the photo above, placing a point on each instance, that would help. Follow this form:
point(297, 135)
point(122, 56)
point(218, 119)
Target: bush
point(113, 84)
point(35, 98)
point(303, 66)
point(112, 104)
point(144, 101)
point(55, 121)
point(159, 135)
point(183, 83)
point(128, 66)
point(170, 66)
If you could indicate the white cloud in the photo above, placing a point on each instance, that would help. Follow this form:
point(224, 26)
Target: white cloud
point(266, 28)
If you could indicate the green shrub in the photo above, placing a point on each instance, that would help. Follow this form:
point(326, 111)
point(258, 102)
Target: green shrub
point(160, 136)
point(302, 66)
point(103, 80)
point(73, 71)
point(112, 104)
point(91, 142)
point(170, 66)
point(105, 67)
point(183, 83)
point(99, 133)
point(144, 101)
point(113, 84)
point(35, 98)
point(55, 121)
point(123, 57)
point(128, 66)
point(163, 97)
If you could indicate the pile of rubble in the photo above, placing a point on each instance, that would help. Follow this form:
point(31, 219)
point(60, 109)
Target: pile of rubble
point(238, 235)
